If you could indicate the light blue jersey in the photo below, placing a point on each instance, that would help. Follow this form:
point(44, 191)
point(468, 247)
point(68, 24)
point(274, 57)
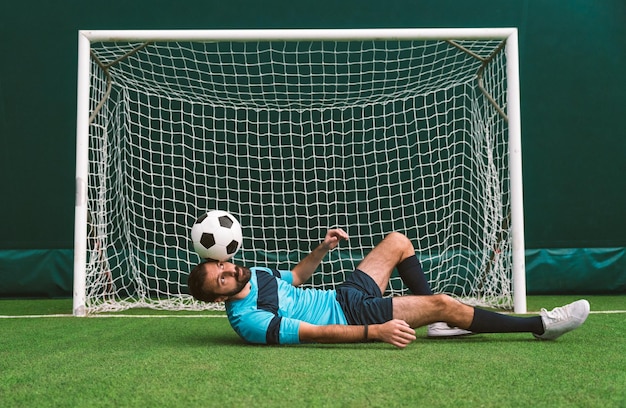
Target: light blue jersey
point(274, 308)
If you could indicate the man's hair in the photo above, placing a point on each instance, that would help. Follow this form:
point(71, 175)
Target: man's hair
point(195, 283)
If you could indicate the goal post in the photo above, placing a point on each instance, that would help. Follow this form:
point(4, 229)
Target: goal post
point(295, 132)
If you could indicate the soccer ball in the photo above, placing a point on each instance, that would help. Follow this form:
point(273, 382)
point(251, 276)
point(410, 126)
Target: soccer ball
point(216, 235)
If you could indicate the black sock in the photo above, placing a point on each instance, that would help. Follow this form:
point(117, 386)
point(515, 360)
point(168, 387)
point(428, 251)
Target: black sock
point(411, 273)
point(490, 322)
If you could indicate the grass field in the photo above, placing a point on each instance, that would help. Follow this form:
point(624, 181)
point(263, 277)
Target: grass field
point(199, 361)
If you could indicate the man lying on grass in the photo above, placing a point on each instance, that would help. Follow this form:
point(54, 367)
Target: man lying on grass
point(266, 306)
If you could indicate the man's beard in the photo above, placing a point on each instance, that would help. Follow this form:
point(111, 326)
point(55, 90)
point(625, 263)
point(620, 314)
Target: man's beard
point(243, 277)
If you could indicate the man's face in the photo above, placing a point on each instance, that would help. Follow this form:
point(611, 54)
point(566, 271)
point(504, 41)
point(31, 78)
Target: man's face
point(226, 279)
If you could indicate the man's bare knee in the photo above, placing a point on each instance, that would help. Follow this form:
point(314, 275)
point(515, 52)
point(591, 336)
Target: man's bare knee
point(401, 243)
point(452, 311)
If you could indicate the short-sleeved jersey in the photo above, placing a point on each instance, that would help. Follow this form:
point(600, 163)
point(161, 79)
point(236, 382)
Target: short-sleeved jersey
point(273, 310)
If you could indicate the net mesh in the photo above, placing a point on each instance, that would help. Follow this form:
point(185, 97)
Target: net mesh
point(294, 138)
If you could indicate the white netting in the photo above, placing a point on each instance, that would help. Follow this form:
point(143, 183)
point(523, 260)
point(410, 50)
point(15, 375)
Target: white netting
point(294, 138)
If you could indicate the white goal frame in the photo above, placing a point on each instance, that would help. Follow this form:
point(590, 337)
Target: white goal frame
point(86, 37)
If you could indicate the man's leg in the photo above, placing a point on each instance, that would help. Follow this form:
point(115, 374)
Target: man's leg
point(421, 310)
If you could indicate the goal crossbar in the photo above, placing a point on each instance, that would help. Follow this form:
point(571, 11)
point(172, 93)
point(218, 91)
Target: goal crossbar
point(298, 34)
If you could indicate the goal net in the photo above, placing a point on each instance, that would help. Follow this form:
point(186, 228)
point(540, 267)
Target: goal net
point(294, 132)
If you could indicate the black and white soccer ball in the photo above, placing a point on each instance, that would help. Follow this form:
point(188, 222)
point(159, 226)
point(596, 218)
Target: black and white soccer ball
point(216, 235)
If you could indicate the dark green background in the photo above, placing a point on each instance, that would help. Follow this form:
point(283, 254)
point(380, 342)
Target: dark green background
point(573, 87)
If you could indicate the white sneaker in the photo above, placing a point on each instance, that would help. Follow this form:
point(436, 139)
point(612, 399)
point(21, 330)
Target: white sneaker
point(442, 329)
point(561, 320)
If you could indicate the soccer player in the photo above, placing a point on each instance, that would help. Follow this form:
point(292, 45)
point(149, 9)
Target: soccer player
point(266, 306)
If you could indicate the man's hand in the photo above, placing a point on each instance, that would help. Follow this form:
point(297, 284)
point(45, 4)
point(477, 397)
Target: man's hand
point(333, 237)
point(396, 332)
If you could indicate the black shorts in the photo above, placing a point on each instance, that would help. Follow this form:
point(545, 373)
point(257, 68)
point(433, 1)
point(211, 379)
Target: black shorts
point(362, 302)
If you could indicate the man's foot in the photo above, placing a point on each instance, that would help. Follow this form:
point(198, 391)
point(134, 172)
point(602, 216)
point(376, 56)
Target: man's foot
point(561, 320)
point(442, 329)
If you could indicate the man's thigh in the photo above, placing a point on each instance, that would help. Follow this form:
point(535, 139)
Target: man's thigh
point(381, 261)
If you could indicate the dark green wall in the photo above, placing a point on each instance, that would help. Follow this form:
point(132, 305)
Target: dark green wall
point(573, 60)
point(573, 101)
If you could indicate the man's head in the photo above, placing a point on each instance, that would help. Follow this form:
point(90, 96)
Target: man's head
point(212, 281)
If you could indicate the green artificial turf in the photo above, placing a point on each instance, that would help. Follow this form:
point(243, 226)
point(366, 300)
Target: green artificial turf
point(199, 361)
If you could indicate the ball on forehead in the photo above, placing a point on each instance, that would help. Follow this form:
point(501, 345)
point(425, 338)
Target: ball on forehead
point(216, 235)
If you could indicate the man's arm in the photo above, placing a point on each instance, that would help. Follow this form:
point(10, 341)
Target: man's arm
point(305, 268)
point(396, 332)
